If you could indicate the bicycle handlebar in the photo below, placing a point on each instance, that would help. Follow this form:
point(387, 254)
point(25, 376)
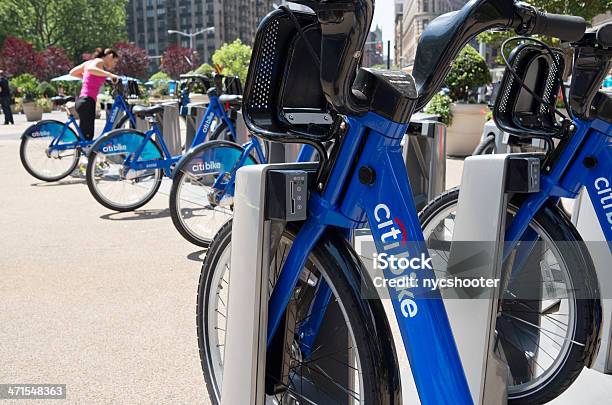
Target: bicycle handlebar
point(531, 21)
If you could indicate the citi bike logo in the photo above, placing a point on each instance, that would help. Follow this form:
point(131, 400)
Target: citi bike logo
point(604, 192)
point(110, 148)
point(207, 124)
point(40, 134)
point(114, 113)
point(393, 234)
point(390, 238)
point(205, 166)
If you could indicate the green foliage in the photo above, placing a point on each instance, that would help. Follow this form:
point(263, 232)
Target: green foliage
point(160, 84)
point(79, 26)
point(26, 86)
point(46, 89)
point(160, 76)
point(204, 69)
point(440, 105)
point(234, 58)
point(469, 71)
point(45, 104)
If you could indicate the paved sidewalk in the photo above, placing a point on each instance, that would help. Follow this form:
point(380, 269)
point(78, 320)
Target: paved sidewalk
point(102, 302)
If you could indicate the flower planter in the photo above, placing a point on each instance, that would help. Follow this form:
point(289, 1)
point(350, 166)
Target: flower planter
point(463, 135)
point(32, 111)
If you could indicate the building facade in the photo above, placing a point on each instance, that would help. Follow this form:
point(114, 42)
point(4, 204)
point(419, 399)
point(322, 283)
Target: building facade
point(399, 29)
point(373, 49)
point(148, 22)
point(416, 15)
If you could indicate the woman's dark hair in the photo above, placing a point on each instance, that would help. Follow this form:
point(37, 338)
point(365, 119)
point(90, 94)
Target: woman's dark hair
point(99, 53)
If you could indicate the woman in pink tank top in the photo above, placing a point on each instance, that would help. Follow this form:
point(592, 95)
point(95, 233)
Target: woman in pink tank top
point(93, 72)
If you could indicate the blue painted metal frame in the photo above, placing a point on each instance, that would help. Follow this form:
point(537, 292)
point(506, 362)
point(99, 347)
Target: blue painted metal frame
point(214, 109)
point(119, 105)
point(389, 207)
point(568, 175)
point(228, 187)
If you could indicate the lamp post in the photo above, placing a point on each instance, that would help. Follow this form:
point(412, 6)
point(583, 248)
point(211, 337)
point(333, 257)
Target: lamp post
point(191, 35)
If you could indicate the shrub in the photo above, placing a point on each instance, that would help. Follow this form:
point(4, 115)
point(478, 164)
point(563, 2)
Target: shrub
point(46, 89)
point(204, 69)
point(440, 105)
point(160, 76)
point(45, 104)
point(26, 86)
point(468, 72)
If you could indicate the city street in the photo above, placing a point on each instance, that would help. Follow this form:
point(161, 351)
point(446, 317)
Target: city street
point(104, 302)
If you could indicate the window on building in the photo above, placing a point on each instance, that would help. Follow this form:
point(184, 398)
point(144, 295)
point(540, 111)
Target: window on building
point(425, 6)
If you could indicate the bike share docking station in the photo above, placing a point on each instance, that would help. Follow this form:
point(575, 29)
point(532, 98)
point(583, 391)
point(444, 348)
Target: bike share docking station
point(267, 196)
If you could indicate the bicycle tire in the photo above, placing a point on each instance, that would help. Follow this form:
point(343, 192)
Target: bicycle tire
point(91, 173)
point(345, 273)
point(178, 181)
point(486, 147)
point(26, 138)
point(583, 276)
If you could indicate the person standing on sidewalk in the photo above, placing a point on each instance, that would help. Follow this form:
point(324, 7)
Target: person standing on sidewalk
point(5, 99)
point(93, 72)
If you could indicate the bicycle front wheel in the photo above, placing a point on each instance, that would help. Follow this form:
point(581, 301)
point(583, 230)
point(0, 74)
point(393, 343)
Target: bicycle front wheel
point(43, 161)
point(352, 360)
point(550, 312)
point(201, 196)
point(111, 181)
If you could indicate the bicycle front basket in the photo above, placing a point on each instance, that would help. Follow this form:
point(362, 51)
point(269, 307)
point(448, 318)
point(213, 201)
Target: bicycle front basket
point(516, 110)
point(283, 99)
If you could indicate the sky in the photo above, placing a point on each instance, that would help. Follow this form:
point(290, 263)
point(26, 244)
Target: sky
point(384, 16)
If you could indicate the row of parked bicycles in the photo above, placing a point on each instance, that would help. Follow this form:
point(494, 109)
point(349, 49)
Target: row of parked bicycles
point(305, 86)
point(125, 167)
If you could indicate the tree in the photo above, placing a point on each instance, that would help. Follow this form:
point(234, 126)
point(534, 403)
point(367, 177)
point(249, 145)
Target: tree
point(133, 60)
point(234, 58)
point(55, 62)
point(18, 56)
point(177, 61)
point(469, 70)
point(76, 25)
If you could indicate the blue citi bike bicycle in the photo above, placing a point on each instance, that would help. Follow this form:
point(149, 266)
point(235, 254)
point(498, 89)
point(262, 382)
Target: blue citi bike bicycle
point(126, 166)
point(201, 197)
point(316, 273)
point(50, 150)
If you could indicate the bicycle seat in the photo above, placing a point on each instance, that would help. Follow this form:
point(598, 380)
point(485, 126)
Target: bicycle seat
point(61, 100)
point(142, 111)
point(233, 100)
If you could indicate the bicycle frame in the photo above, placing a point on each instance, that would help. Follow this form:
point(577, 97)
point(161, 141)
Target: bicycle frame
point(214, 109)
point(228, 187)
point(585, 161)
point(388, 206)
point(119, 104)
